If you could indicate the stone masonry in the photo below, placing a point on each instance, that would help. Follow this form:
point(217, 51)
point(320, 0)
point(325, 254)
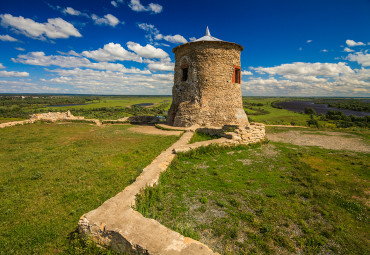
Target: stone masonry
point(205, 91)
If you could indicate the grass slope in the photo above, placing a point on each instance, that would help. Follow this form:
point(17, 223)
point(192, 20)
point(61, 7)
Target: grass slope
point(51, 174)
point(273, 116)
point(276, 198)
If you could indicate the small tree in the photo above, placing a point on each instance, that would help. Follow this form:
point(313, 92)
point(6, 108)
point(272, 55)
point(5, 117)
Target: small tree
point(309, 110)
point(313, 122)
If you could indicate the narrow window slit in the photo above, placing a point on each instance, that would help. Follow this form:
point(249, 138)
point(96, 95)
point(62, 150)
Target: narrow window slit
point(185, 74)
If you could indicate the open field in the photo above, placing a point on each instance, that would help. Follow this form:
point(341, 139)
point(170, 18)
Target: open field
point(282, 197)
point(258, 109)
point(51, 174)
point(276, 198)
point(119, 101)
point(270, 115)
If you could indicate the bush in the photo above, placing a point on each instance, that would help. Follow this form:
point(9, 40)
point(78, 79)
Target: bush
point(309, 110)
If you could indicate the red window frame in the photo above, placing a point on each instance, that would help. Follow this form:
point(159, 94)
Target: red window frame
point(237, 74)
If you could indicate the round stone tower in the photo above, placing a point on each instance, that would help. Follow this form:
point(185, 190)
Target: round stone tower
point(206, 87)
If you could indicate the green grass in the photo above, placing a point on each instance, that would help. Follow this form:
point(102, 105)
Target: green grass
point(4, 120)
point(276, 198)
point(118, 101)
point(274, 116)
point(199, 137)
point(51, 174)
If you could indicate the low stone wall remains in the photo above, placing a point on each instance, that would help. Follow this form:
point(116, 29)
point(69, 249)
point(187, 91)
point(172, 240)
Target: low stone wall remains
point(52, 117)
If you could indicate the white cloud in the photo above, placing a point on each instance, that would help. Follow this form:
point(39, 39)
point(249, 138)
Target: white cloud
point(360, 58)
point(175, 39)
point(310, 79)
point(307, 69)
point(112, 52)
point(40, 59)
point(148, 51)
point(99, 82)
point(300, 49)
point(352, 43)
point(135, 5)
point(73, 53)
point(308, 41)
point(2, 66)
point(156, 8)
point(13, 74)
point(19, 48)
point(324, 50)
point(54, 28)
point(114, 4)
point(108, 19)
point(71, 11)
point(247, 73)
point(346, 49)
point(154, 34)
point(161, 66)
point(7, 38)
point(192, 39)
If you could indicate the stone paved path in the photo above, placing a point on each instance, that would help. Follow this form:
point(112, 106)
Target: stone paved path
point(117, 225)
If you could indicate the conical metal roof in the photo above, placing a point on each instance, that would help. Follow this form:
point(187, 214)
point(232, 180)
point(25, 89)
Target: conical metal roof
point(207, 37)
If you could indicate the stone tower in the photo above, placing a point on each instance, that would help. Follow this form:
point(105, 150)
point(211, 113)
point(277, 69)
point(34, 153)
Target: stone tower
point(206, 87)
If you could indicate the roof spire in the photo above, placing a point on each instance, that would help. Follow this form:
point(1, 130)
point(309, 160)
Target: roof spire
point(207, 32)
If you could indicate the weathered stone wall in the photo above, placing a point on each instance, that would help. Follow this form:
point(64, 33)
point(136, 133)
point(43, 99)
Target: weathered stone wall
point(55, 116)
point(208, 97)
point(253, 133)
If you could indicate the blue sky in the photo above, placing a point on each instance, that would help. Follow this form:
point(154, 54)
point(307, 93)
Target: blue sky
point(291, 48)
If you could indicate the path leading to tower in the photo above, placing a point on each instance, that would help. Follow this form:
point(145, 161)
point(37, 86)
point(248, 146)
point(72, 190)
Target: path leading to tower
point(152, 130)
point(116, 224)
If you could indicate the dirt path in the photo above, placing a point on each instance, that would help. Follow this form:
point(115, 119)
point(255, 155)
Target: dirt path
point(151, 130)
point(327, 140)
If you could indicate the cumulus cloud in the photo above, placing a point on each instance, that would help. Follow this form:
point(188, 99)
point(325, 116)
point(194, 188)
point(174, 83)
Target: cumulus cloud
point(346, 49)
point(108, 19)
point(163, 65)
point(175, 39)
point(114, 3)
point(93, 81)
point(136, 5)
point(309, 79)
point(360, 58)
point(71, 11)
point(247, 73)
point(54, 28)
point(7, 38)
point(40, 59)
point(112, 52)
point(307, 69)
point(13, 74)
point(2, 66)
point(352, 43)
point(148, 51)
point(154, 34)
point(155, 8)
